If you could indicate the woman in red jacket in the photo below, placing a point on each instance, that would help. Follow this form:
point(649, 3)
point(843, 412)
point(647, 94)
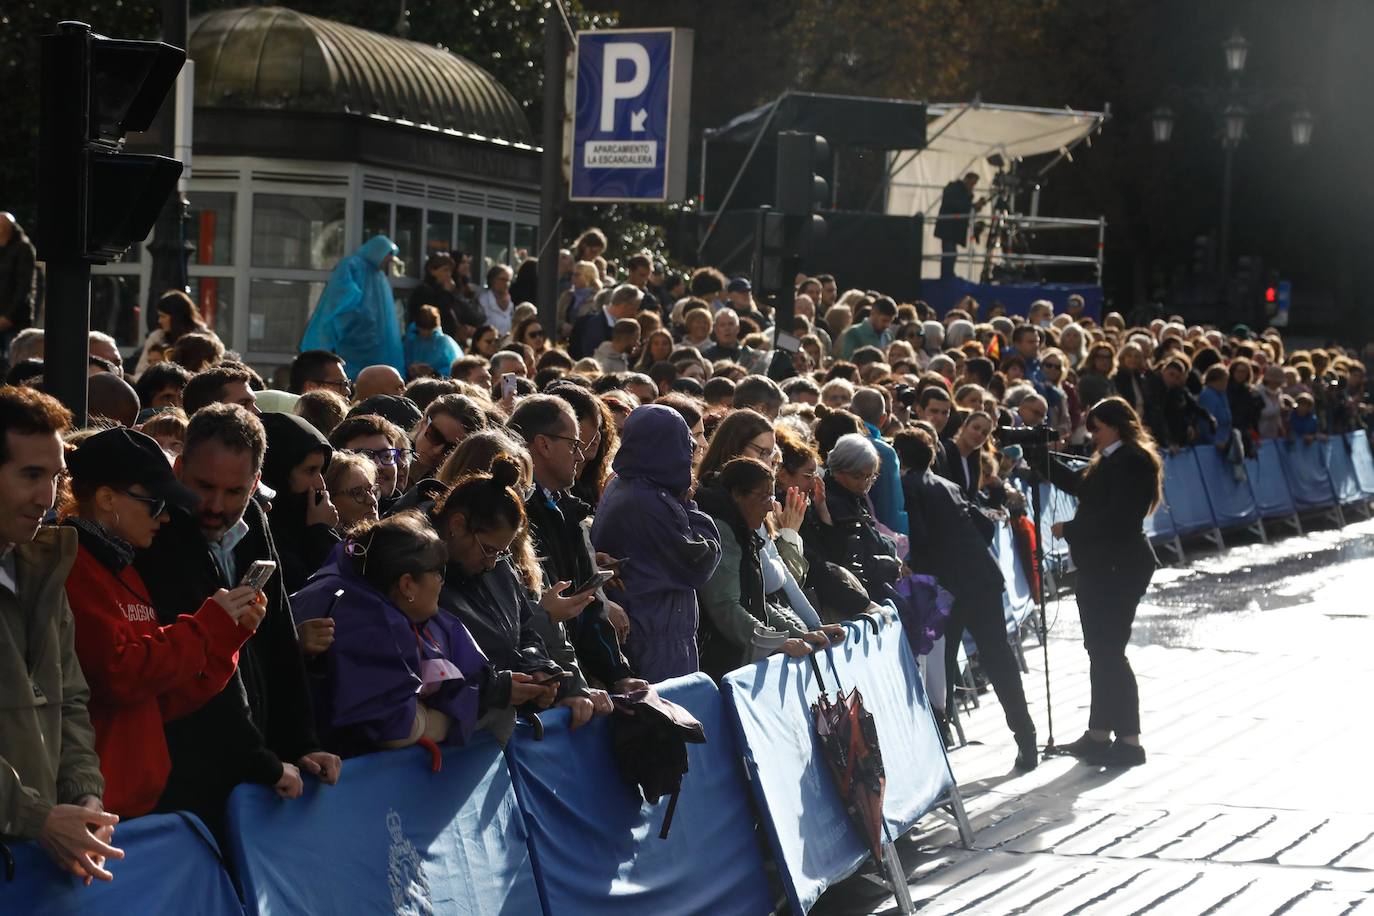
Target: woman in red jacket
point(140, 674)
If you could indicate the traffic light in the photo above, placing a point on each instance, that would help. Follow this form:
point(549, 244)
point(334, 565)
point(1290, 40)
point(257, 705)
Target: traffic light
point(801, 191)
point(94, 200)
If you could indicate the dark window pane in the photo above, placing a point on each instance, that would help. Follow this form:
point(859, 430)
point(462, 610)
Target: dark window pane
point(277, 312)
point(409, 226)
point(215, 298)
point(116, 303)
point(306, 233)
point(376, 219)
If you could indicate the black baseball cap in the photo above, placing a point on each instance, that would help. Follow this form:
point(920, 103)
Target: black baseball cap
point(121, 456)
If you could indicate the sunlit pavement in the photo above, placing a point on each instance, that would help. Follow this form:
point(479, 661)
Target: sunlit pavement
point(1256, 672)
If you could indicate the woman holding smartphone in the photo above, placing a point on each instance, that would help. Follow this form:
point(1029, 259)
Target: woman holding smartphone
point(1118, 488)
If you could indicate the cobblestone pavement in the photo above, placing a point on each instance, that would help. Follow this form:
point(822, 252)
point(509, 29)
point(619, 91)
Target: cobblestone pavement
point(1256, 671)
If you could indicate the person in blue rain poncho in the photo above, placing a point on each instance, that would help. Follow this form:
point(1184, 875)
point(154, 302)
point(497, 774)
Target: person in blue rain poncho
point(668, 548)
point(356, 314)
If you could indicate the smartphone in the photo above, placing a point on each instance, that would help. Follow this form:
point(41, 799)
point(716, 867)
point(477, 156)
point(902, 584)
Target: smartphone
point(258, 574)
point(508, 385)
point(787, 342)
point(550, 677)
point(598, 579)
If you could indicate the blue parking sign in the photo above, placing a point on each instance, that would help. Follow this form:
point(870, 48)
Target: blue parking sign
point(633, 100)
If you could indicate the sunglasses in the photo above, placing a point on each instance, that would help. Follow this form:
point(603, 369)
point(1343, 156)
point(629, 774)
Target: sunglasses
point(385, 457)
point(155, 506)
point(433, 435)
point(536, 335)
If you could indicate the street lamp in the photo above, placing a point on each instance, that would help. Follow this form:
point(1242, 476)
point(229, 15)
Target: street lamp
point(1162, 124)
point(1236, 48)
point(1301, 126)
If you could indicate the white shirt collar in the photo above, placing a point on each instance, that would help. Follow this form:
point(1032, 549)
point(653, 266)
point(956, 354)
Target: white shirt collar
point(1107, 452)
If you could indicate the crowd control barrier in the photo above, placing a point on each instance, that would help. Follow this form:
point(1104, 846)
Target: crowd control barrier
point(391, 837)
point(813, 841)
point(170, 865)
point(595, 842)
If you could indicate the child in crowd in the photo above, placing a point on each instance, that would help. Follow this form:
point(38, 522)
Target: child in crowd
point(1302, 424)
point(168, 428)
point(614, 355)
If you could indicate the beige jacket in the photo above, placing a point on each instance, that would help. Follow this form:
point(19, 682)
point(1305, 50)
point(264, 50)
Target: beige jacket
point(47, 745)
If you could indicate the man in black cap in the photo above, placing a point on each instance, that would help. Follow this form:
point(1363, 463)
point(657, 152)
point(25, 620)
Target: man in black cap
point(740, 293)
point(260, 728)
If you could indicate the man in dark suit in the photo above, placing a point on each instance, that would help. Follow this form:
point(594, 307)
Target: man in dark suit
point(946, 543)
point(956, 205)
point(594, 328)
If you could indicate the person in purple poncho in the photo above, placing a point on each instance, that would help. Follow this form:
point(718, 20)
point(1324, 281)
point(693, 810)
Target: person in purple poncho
point(667, 547)
point(398, 671)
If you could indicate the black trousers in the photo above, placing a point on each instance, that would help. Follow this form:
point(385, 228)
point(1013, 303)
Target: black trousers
point(949, 253)
point(1107, 600)
point(978, 609)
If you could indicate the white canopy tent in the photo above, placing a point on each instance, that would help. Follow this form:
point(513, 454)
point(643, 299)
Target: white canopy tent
point(960, 140)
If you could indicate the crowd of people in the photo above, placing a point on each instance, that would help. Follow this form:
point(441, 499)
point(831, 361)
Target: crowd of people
point(436, 528)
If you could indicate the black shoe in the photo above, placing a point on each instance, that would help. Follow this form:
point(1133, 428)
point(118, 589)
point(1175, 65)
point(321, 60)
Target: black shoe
point(1027, 753)
point(1118, 754)
point(947, 735)
point(1084, 747)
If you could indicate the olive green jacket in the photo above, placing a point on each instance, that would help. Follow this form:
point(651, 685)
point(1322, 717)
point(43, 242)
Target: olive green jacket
point(47, 745)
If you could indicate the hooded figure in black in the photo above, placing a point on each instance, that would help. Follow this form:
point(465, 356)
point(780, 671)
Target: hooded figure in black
point(304, 538)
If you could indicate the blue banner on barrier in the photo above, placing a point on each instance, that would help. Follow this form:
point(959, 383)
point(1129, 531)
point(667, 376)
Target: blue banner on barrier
point(1187, 494)
point(1306, 472)
point(1336, 455)
point(1363, 461)
point(1017, 601)
point(391, 837)
point(1232, 500)
point(170, 865)
point(595, 842)
point(882, 666)
point(1055, 506)
point(1273, 498)
point(813, 842)
point(1159, 524)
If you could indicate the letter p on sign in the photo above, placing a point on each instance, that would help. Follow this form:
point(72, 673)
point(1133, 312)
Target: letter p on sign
point(612, 88)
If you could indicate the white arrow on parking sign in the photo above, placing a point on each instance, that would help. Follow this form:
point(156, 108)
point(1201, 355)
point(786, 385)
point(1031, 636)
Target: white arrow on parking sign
point(614, 89)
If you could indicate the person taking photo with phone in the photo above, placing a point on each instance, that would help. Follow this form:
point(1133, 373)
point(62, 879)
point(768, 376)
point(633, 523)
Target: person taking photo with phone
point(260, 727)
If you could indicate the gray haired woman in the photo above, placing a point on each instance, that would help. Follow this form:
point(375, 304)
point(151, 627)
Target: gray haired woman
point(851, 540)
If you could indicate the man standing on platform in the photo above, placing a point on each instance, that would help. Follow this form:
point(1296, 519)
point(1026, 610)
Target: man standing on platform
point(956, 206)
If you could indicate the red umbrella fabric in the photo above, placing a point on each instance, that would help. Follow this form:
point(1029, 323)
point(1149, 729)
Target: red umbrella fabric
point(848, 739)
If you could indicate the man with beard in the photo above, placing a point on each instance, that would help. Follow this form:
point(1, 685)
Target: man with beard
point(260, 727)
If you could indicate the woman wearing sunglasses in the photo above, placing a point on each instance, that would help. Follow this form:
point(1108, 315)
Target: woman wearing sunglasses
point(140, 674)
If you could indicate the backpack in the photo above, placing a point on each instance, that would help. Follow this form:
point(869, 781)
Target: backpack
point(649, 740)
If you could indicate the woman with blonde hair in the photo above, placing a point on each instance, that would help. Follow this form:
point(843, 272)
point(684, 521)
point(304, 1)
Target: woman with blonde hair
point(1116, 491)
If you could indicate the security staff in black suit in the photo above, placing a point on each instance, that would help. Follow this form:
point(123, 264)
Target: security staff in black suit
point(1117, 489)
point(946, 542)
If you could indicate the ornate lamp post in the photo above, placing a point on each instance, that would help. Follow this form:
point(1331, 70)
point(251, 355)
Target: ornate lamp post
point(1233, 107)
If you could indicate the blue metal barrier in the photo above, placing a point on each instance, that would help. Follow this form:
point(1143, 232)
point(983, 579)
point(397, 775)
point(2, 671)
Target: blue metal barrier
point(170, 865)
point(595, 842)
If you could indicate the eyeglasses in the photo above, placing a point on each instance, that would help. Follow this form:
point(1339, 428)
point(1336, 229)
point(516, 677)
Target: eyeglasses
point(761, 453)
point(536, 335)
point(577, 446)
point(359, 494)
point(155, 506)
point(495, 554)
point(343, 386)
point(385, 457)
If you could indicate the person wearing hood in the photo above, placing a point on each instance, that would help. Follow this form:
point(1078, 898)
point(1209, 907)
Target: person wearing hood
point(356, 314)
point(400, 672)
point(668, 548)
point(141, 674)
point(303, 517)
point(426, 343)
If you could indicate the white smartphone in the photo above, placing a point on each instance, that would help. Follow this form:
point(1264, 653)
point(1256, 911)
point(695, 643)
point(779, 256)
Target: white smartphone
point(258, 574)
point(508, 385)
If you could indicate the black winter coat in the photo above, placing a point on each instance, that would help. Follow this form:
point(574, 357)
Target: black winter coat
point(1114, 497)
point(264, 715)
point(948, 536)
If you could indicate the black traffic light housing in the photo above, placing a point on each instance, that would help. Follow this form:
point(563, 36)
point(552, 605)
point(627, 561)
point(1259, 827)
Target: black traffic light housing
point(94, 200)
point(801, 188)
